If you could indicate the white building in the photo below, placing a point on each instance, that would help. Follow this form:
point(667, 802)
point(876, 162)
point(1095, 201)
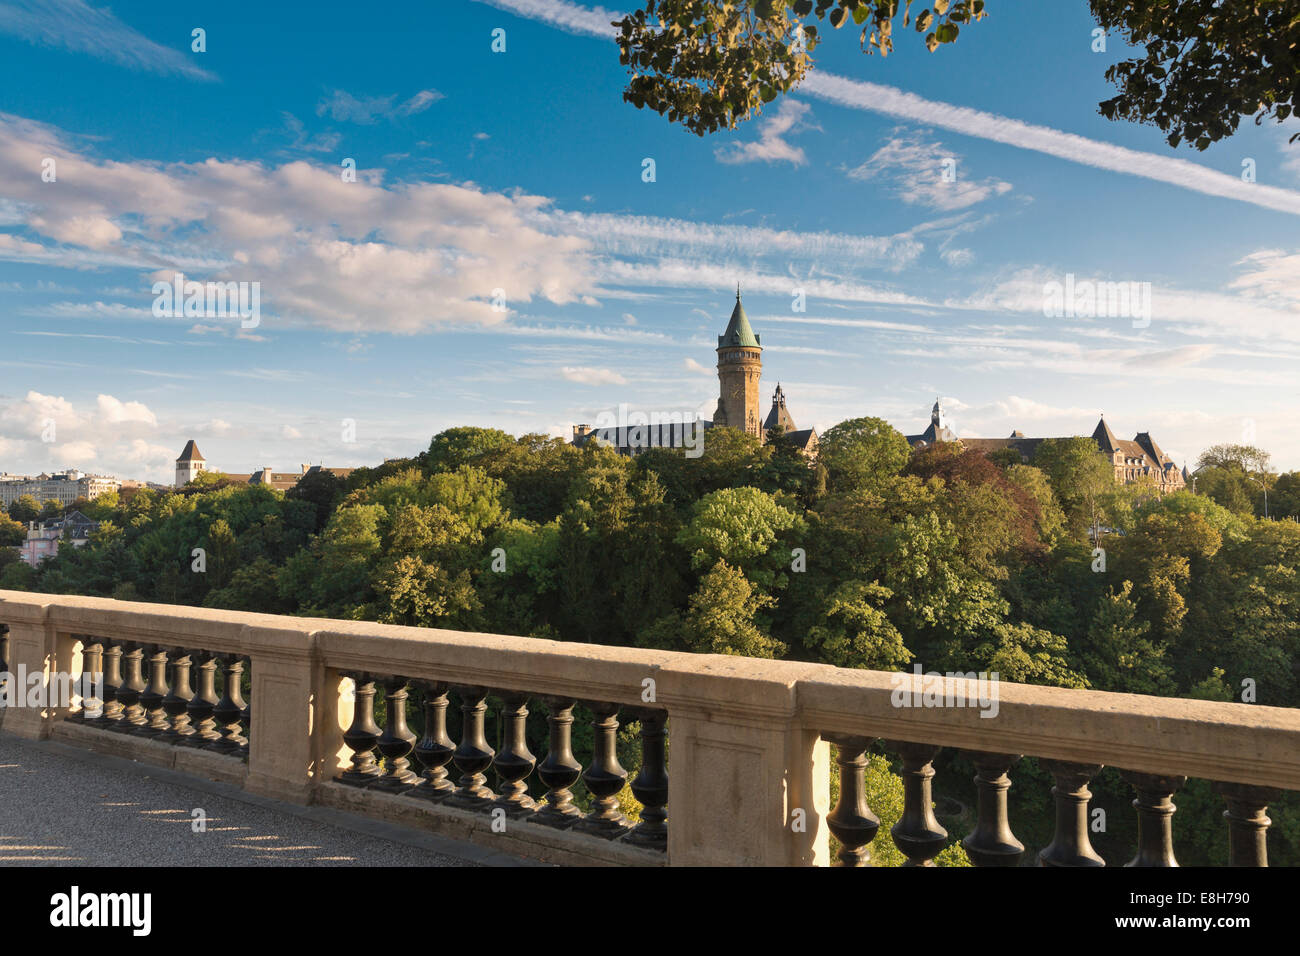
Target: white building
point(189, 465)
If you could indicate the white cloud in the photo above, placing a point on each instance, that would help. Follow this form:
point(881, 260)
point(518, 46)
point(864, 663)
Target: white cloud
point(585, 375)
point(771, 146)
point(113, 411)
point(77, 26)
point(344, 107)
point(696, 367)
point(73, 454)
point(348, 256)
point(571, 17)
point(957, 257)
point(653, 237)
point(920, 171)
point(876, 98)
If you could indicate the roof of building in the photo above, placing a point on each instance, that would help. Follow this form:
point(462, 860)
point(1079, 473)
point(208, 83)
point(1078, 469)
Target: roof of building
point(1105, 438)
point(779, 414)
point(191, 453)
point(739, 332)
point(805, 439)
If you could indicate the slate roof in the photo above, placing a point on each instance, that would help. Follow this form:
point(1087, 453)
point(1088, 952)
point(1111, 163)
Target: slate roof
point(739, 332)
point(191, 453)
point(779, 414)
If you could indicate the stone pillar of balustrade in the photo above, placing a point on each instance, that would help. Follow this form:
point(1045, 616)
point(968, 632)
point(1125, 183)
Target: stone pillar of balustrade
point(300, 710)
point(38, 646)
point(748, 784)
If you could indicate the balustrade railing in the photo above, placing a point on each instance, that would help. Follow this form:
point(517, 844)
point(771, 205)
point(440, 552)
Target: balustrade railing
point(381, 760)
point(146, 690)
point(444, 729)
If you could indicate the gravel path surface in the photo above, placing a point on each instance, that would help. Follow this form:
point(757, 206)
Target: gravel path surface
point(63, 807)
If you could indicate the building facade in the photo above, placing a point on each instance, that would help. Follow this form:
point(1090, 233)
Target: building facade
point(44, 540)
point(1138, 460)
point(63, 487)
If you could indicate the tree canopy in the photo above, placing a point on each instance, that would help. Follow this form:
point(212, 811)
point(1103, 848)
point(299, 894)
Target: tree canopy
point(1200, 66)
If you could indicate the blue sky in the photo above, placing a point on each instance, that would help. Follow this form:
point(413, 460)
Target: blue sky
point(522, 171)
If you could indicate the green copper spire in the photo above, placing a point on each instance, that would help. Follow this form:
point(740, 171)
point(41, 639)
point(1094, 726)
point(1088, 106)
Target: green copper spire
point(738, 329)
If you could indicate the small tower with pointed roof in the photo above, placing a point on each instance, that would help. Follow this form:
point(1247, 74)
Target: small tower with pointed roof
point(189, 465)
point(740, 365)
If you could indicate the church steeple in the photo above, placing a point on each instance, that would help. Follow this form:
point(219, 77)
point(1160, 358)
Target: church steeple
point(936, 415)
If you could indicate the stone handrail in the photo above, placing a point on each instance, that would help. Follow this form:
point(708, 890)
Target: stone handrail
point(749, 738)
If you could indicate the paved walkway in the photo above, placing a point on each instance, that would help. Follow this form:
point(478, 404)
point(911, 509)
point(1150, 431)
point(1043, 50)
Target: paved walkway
point(62, 806)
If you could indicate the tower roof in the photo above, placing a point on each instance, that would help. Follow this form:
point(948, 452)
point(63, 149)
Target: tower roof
point(738, 329)
point(191, 453)
point(1104, 437)
point(779, 414)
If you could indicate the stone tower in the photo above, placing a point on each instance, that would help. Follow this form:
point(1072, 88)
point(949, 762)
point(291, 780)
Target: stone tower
point(740, 364)
point(190, 464)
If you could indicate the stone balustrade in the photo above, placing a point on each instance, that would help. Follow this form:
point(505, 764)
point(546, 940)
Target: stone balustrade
point(735, 753)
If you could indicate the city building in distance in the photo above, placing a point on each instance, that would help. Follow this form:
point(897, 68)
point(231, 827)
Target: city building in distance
point(740, 368)
point(64, 487)
point(1138, 460)
point(191, 464)
point(45, 538)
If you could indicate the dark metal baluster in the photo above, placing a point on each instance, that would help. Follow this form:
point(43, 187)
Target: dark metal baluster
point(203, 703)
point(917, 833)
point(92, 678)
point(112, 712)
point(229, 711)
point(434, 749)
point(397, 741)
point(1248, 821)
point(473, 755)
point(605, 777)
point(852, 821)
point(151, 697)
point(559, 770)
point(362, 735)
point(246, 717)
point(1155, 808)
point(515, 762)
point(132, 685)
point(176, 703)
point(992, 843)
point(1070, 845)
point(650, 785)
